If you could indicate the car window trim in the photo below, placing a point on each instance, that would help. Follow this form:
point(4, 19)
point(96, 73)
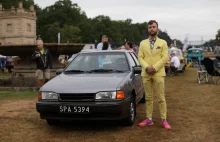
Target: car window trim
point(137, 63)
point(133, 59)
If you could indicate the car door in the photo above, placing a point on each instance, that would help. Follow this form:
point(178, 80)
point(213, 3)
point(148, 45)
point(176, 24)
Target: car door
point(139, 78)
point(136, 80)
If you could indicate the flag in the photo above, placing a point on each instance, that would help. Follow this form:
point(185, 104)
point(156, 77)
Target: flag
point(185, 42)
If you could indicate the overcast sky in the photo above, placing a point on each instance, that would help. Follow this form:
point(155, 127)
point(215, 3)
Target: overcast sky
point(200, 18)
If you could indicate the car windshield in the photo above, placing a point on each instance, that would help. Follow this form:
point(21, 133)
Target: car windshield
point(195, 51)
point(98, 62)
point(177, 52)
point(72, 57)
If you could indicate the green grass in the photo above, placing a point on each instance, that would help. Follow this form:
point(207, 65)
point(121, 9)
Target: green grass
point(17, 95)
point(5, 76)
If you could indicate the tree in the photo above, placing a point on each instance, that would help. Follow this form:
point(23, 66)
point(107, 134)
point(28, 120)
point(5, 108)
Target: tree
point(218, 37)
point(213, 42)
point(49, 32)
point(68, 18)
point(210, 43)
point(165, 36)
point(8, 3)
point(178, 43)
point(70, 33)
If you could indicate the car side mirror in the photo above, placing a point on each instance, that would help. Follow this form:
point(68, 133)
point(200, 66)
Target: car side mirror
point(58, 72)
point(137, 69)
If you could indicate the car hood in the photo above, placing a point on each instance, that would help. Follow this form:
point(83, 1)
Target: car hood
point(84, 83)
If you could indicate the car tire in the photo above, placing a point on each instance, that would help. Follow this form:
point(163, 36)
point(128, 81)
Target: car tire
point(143, 100)
point(129, 121)
point(53, 122)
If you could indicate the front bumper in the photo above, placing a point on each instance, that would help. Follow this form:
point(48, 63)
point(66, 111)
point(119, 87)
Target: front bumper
point(116, 110)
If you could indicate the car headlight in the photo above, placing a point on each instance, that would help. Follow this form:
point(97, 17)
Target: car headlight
point(48, 96)
point(105, 95)
point(110, 95)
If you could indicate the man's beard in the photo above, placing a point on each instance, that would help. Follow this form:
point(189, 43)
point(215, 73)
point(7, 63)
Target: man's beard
point(154, 34)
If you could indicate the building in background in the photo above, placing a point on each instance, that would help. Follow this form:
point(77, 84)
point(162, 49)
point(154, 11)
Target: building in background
point(17, 25)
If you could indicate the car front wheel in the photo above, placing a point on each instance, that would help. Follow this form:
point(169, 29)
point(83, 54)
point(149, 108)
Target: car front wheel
point(129, 121)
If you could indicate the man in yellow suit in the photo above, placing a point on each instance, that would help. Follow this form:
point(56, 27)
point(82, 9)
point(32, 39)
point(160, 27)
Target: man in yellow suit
point(153, 54)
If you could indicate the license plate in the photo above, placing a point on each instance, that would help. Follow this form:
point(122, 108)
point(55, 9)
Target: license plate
point(74, 109)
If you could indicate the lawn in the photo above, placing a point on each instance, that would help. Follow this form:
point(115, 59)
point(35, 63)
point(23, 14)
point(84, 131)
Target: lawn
point(5, 76)
point(193, 113)
point(5, 95)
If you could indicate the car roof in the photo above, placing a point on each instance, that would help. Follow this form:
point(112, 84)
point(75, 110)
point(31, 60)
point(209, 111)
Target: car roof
point(103, 51)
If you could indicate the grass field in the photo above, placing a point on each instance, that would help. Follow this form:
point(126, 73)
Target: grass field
point(5, 76)
point(6, 95)
point(193, 113)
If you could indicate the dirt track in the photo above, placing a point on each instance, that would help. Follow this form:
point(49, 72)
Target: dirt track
point(193, 112)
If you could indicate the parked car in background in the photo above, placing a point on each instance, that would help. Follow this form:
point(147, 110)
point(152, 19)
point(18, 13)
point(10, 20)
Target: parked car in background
point(179, 54)
point(194, 55)
point(96, 85)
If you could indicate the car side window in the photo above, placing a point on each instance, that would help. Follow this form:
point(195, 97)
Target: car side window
point(131, 60)
point(135, 59)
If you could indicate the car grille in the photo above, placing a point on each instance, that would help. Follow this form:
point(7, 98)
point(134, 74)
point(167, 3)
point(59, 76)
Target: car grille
point(77, 97)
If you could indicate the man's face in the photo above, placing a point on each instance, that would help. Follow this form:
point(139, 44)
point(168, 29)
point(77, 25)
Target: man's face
point(104, 39)
point(40, 45)
point(153, 29)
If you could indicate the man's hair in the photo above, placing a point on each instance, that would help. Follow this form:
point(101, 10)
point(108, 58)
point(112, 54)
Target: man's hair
point(129, 44)
point(104, 36)
point(151, 22)
point(40, 41)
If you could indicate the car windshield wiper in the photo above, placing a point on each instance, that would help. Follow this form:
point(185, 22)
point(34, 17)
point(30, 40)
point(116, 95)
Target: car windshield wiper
point(106, 70)
point(77, 71)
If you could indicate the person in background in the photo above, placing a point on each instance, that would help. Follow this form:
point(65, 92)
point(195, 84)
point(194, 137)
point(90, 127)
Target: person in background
point(3, 60)
point(129, 46)
point(134, 48)
point(43, 60)
point(104, 41)
point(122, 47)
point(217, 52)
point(105, 46)
point(174, 64)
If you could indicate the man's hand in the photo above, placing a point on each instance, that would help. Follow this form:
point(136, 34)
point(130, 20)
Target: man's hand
point(37, 55)
point(151, 70)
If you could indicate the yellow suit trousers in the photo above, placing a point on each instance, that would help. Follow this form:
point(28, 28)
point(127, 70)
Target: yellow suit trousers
point(155, 85)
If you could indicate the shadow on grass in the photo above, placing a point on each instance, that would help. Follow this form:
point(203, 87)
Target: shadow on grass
point(98, 126)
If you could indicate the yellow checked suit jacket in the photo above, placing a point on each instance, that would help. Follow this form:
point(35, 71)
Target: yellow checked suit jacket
point(157, 57)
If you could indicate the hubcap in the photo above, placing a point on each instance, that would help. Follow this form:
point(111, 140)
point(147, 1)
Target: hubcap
point(132, 111)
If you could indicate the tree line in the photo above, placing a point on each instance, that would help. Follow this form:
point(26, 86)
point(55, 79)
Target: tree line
point(214, 42)
point(74, 26)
